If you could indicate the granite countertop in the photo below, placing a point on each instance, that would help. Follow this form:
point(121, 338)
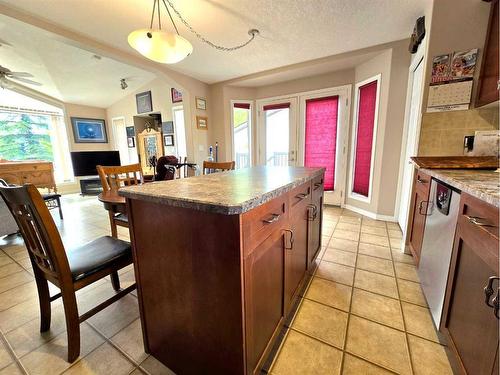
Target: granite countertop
point(482, 184)
point(229, 193)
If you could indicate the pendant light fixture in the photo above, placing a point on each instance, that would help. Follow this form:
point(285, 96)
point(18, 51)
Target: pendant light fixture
point(167, 47)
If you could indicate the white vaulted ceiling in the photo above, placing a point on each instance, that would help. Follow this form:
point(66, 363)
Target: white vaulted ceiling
point(67, 73)
point(292, 31)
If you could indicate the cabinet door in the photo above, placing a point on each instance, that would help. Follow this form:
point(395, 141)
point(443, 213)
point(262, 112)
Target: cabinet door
point(264, 288)
point(420, 202)
point(315, 220)
point(469, 323)
point(296, 252)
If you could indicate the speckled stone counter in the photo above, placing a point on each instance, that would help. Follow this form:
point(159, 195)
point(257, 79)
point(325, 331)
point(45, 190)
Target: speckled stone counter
point(228, 193)
point(482, 184)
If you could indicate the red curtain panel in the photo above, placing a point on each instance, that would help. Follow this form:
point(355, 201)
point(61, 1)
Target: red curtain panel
point(242, 105)
point(321, 136)
point(367, 97)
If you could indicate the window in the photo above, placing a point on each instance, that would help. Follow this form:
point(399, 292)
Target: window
point(242, 134)
point(33, 130)
point(277, 121)
point(364, 137)
point(180, 131)
point(321, 136)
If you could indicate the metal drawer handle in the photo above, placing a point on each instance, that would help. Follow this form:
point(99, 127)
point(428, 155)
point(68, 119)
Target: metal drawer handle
point(317, 185)
point(291, 239)
point(420, 181)
point(274, 218)
point(301, 196)
point(312, 216)
point(488, 292)
point(420, 206)
point(479, 221)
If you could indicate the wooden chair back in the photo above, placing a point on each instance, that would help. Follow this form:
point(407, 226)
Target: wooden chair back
point(41, 237)
point(115, 177)
point(218, 166)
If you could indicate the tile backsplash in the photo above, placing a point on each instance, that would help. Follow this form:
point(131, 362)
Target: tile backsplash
point(442, 133)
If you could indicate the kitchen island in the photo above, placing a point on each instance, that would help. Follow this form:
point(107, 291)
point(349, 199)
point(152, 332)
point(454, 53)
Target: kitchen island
point(219, 262)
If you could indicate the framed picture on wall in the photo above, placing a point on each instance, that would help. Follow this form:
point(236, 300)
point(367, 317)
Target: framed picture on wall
point(167, 127)
point(89, 130)
point(202, 122)
point(144, 102)
point(168, 140)
point(176, 95)
point(201, 103)
point(130, 131)
point(131, 142)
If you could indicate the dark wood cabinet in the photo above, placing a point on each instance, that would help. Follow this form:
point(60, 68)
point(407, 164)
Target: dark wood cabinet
point(418, 212)
point(487, 88)
point(469, 324)
point(215, 302)
point(264, 288)
point(315, 217)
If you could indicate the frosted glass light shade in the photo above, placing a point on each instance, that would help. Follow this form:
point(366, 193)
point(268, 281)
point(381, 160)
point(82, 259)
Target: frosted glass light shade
point(160, 46)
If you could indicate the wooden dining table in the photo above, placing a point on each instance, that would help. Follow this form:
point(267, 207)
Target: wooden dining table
point(113, 202)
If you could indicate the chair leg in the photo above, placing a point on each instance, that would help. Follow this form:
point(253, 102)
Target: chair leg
point(44, 300)
point(114, 231)
point(59, 206)
point(72, 324)
point(115, 281)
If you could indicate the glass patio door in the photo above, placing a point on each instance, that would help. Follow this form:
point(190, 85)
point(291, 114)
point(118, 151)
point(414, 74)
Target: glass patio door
point(278, 132)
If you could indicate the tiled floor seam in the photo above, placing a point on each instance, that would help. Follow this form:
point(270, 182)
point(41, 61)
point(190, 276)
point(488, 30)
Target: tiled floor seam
point(12, 354)
point(349, 312)
point(410, 357)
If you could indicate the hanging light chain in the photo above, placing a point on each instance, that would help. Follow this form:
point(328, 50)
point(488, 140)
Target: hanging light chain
point(253, 32)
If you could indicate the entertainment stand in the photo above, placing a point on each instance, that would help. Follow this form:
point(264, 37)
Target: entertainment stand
point(90, 185)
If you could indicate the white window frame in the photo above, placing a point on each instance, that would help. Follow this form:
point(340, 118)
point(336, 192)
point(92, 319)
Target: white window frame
point(353, 195)
point(249, 130)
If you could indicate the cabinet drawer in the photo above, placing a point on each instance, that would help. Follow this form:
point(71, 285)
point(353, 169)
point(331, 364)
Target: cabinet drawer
point(422, 182)
point(260, 222)
point(300, 197)
point(37, 178)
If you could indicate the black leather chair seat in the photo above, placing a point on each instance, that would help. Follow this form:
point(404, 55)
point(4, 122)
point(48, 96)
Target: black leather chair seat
point(122, 218)
point(97, 255)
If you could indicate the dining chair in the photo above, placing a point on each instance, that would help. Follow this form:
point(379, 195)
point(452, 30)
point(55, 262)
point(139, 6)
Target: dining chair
point(69, 271)
point(213, 166)
point(112, 179)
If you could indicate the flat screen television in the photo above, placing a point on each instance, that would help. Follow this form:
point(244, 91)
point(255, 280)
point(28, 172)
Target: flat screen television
point(85, 162)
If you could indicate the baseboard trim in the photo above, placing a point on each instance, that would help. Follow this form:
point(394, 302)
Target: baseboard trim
point(369, 214)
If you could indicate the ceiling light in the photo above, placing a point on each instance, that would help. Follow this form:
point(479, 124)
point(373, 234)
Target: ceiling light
point(123, 84)
point(168, 47)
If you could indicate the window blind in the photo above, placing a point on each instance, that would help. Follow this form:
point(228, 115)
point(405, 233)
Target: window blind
point(367, 101)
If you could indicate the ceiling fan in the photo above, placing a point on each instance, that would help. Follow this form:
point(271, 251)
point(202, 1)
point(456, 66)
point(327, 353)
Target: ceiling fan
point(6, 77)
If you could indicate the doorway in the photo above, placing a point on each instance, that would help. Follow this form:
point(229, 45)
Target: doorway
point(412, 135)
point(278, 132)
point(120, 133)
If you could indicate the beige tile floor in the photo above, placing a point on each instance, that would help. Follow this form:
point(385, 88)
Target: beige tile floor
point(363, 311)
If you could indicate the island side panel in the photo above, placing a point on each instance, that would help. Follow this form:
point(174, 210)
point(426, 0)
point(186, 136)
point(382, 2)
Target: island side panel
point(188, 270)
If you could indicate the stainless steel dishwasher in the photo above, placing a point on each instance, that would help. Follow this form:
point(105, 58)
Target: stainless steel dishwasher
point(439, 232)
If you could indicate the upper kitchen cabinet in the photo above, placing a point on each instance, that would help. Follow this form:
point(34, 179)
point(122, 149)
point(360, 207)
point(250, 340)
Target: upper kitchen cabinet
point(487, 89)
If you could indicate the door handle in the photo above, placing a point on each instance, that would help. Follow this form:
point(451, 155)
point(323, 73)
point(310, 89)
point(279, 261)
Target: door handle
point(291, 239)
point(488, 292)
point(272, 219)
point(479, 221)
point(314, 209)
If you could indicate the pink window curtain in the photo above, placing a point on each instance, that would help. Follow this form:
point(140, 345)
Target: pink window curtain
point(321, 136)
point(364, 138)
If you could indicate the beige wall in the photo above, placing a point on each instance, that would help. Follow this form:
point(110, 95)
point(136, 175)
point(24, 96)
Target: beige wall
point(393, 66)
point(76, 110)
point(465, 28)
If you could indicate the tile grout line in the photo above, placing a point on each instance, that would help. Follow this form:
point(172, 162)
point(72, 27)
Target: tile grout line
point(410, 358)
point(344, 349)
point(12, 353)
